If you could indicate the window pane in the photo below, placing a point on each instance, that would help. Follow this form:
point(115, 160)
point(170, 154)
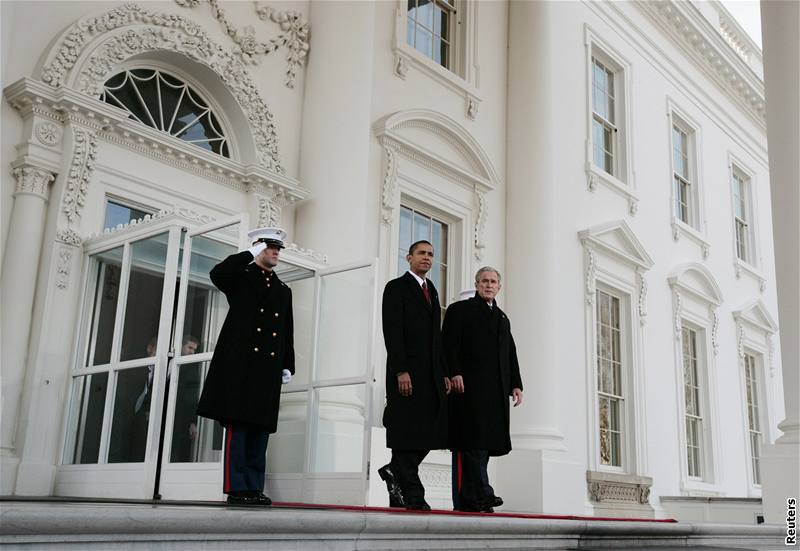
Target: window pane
point(344, 296)
point(117, 214)
point(410, 30)
point(101, 334)
point(194, 439)
point(143, 308)
point(131, 415)
point(424, 41)
point(339, 441)
point(425, 11)
point(422, 228)
point(405, 230)
point(303, 313)
point(286, 452)
point(86, 418)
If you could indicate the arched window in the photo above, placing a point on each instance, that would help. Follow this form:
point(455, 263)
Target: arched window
point(166, 103)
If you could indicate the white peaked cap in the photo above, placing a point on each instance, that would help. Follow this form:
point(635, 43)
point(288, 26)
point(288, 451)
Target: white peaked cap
point(274, 236)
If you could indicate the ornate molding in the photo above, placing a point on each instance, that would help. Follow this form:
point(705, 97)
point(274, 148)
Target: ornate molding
point(269, 212)
point(471, 107)
point(771, 354)
point(642, 302)
point(714, 329)
point(740, 339)
point(633, 205)
point(400, 65)
point(434, 476)
point(319, 257)
point(294, 37)
point(181, 213)
point(618, 488)
point(32, 180)
point(63, 266)
point(80, 174)
point(591, 267)
point(480, 223)
point(69, 237)
point(677, 325)
point(130, 30)
point(48, 133)
point(389, 192)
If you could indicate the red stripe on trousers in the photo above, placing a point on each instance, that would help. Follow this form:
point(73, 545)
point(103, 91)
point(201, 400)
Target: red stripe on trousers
point(227, 484)
point(458, 471)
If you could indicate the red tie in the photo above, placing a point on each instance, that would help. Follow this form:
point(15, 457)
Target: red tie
point(425, 291)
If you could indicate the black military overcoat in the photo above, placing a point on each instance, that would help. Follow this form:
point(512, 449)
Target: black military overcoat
point(478, 346)
point(412, 334)
point(255, 345)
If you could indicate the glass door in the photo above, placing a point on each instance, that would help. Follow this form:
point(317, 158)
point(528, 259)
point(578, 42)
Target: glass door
point(191, 458)
point(320, 451)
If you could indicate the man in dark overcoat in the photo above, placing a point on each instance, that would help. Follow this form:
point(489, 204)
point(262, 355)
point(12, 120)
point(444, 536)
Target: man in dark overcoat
point(253, 357)
point(484, 372)
point(416, 386)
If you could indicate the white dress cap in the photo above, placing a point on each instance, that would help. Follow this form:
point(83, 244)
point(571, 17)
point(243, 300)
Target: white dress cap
point(270, 236)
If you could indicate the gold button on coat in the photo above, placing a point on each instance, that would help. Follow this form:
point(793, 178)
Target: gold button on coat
point(276, 314)
point(274, 334)
point(258, 329)
point(261, 310)
point(255, 349)
point(272, 353)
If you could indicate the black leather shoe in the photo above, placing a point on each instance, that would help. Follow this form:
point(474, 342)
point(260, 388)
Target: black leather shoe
point(418, 505)
point(396, 498)
point(241, 499)
point(496, 501)
point(261, 499)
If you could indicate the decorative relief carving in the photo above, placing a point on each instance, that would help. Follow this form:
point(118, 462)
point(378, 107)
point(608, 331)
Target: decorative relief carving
point(389, 193)
point(294, 37)
point(678, 312)
point(612, 490)
point(472, 107)
point(319, 257)
point(434, 476)
point(400, 65)
point(771, 353)
point(269, 213)
point(591, 266)
point(80, 174)
point(32, 180)
point(480, 223)
point(48, 133)
point(706, 250)
point(714, 329)
point(740, 338)
point(62, 269)
point(633, 205)
point(593, 181)
point(762, 284)
point(70, 237)
point(178, 212)
point(160, 31)
point(642, 297)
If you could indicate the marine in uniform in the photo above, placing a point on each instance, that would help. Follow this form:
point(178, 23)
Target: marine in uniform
point(253, 357)
point(484, 373)
point(416, 404)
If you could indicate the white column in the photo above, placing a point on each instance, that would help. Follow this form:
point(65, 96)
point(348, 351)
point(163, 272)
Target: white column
point(336, 134)
point(20, 266)
point(531, 274)
point(780, 24)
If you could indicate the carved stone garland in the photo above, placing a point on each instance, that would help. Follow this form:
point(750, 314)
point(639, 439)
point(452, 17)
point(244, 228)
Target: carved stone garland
point(591, 267)
point(151, 31)
point(294, 37)
point(642, 302)
point(80, 173)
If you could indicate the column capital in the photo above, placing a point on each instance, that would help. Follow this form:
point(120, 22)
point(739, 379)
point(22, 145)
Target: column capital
point(33, 180)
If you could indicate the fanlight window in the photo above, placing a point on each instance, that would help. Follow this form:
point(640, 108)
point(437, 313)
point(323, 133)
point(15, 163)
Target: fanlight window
point(165, 103)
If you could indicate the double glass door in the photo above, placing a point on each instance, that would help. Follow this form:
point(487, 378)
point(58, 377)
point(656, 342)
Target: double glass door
point(151, 320)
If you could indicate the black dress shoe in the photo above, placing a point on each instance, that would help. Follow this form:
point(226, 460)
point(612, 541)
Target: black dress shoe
point(261, 499)
point(495, 501)
point(241, 499)
point(418, 505)
point(396, 498)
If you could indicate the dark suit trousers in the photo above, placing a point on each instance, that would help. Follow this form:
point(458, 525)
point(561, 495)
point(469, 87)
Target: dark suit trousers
point(457, 477)
point(405, 465)
point(245, 458)
point(471, 479)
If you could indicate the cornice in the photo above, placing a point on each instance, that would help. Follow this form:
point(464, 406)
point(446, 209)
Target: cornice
point(112, 125)
point(711, 51)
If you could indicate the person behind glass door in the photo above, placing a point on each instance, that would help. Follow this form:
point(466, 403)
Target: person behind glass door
point(253, 357)
point(416, 405)
point(484, 372)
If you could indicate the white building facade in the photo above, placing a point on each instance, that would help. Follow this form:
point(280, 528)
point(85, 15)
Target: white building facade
point(609, 158)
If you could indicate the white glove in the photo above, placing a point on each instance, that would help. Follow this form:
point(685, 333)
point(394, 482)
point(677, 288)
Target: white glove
point(256, 249)
point(287, 376)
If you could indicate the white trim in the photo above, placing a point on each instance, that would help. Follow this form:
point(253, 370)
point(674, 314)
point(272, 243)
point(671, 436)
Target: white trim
point(752, 265)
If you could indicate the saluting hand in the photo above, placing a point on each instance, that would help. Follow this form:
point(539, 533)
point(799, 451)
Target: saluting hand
point(457, 383)
point(404, 383)
point(517, 395)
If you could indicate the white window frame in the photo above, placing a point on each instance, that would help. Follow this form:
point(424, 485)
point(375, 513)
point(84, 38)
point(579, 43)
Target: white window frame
point(699, 370)
point(462, 75)
point(755, 331)
point(618, 270)
point(622, 179)
point(695, 229)
point(696, 297)
point(750, 265)
point(757, 360)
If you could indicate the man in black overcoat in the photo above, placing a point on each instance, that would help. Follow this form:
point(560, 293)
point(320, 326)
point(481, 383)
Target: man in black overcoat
point(416, 386)
point(253, 357)
point(484, 372)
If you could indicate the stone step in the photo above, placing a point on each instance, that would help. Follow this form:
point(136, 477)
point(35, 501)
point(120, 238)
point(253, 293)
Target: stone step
point(60, 524)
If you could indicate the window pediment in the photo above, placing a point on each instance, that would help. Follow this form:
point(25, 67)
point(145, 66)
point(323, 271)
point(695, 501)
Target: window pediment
point(618, 239)
point(755, 313)
point(697, 280)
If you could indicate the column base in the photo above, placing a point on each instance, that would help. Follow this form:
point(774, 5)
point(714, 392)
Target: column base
point(540, 481)
point(780, 478)
point(9, 464)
